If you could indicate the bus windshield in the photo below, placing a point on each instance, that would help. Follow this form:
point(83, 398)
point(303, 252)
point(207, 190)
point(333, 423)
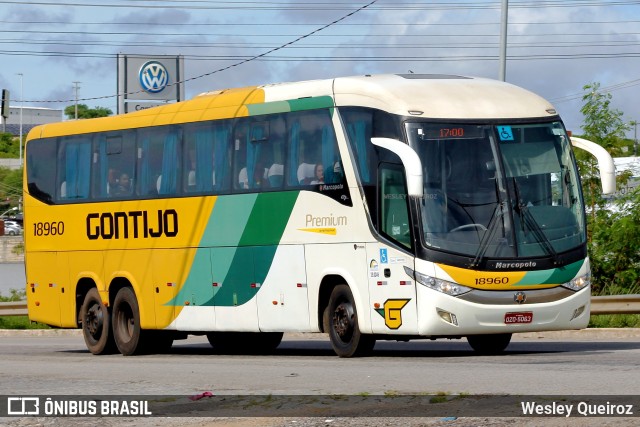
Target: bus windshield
point(498, 191)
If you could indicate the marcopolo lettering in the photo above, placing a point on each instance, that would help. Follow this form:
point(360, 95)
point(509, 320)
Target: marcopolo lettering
point(132, 224)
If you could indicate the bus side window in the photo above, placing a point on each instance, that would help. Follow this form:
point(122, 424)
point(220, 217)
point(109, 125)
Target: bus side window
point(74, 166)
point(159, 160)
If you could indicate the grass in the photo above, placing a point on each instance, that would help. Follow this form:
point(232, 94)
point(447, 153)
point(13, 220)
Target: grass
point(615, 321)
point(20, 322)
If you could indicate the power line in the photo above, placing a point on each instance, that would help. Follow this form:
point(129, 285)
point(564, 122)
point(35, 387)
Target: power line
point(241, 62)
point(606, 89)
point(321, 6)
point(295, 24)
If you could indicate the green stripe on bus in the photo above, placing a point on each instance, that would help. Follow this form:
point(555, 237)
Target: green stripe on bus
point(231, 273)
point(311, 103)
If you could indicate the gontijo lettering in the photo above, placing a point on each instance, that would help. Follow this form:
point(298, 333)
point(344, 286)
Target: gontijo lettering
point(132, 224)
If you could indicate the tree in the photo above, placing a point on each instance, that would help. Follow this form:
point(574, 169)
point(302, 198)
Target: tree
point(9, 146)
point(84, 112)
point(602, 124)
point(614, 226)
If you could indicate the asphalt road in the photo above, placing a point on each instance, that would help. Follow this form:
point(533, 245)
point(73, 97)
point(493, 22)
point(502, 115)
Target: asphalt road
point(580, 362)
point(600, 362)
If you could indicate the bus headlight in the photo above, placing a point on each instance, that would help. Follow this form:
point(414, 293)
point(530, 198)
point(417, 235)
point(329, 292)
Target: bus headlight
point(444, 286)
point(579, 282)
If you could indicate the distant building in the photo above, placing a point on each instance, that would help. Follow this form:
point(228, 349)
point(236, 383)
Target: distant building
point(31, 117)
point(631, 164)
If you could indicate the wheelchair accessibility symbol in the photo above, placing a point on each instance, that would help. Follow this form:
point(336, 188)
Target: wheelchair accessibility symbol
point(505, 133)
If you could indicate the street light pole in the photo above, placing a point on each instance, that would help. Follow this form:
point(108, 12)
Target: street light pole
point(503, 40)
point(635, 137)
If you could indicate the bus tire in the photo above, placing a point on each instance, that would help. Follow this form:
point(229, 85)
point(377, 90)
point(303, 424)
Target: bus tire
point(489, 344)
point(245, 342)
point(344, 330)
point(96, 324)
point(126, 323)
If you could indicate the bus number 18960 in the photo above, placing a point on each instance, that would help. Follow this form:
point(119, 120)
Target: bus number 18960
point(48, 228)
point(492, 281)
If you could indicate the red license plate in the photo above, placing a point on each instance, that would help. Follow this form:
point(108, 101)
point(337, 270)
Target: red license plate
point(520, 317)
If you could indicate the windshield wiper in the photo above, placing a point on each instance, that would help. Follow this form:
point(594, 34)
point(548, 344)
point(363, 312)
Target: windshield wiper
point(487, 237)
point(528, 219)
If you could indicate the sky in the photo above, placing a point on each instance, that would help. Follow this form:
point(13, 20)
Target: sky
point(554, 47)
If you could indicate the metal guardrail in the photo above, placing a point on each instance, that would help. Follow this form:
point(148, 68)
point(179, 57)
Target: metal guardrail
point(17, 308)
point(613, 304)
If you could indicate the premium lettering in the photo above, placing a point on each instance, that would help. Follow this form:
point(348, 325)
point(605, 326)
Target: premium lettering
point(133, 224)
point(325, 221)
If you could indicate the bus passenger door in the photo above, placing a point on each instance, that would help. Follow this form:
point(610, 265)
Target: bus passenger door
point(282, 300)
point(392, 292)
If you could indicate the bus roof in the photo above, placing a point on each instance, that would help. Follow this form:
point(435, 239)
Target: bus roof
point(422, 95)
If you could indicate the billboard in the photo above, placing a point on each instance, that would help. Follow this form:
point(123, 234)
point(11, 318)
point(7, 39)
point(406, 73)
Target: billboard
point(148, 81)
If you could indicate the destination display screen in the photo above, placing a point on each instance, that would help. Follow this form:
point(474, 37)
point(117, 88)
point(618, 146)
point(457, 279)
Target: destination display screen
point(450, 131)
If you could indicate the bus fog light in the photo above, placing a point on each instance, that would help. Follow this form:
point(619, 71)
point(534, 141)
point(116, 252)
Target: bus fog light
point(448, 317)
point(577, 312)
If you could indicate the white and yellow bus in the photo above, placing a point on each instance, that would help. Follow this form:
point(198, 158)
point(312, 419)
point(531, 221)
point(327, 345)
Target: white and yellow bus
point(387, 207)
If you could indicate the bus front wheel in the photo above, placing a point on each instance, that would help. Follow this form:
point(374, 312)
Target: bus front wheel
point(344, 330)
point(489, 344)
point(126, 322)
point(96, 324)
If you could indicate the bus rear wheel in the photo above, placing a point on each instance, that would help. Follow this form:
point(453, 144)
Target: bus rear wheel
point(96, 324)
point(126, 323)
point(489, 344)
point(344, 330)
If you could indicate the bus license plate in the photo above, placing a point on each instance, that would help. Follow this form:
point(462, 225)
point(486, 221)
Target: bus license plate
point(520, 317)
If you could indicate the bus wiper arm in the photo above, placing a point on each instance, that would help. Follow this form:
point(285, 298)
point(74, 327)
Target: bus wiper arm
point(488, 235)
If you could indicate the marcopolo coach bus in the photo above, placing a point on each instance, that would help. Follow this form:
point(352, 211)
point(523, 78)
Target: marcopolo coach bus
point(386, 207)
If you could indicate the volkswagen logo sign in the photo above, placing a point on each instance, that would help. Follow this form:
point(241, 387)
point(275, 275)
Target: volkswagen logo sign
point(154, 77)
point(519, 297)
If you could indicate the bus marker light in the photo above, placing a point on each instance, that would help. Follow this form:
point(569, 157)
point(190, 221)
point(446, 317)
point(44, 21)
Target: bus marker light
point(170, 284)
point(274, 302)
point(376, 305)
point(187, 303)
point(255, 285)
point(215, 284)
point(37, 303)
point(382, 283)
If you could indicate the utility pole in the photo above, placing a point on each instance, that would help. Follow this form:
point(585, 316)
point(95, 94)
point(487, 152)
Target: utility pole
point(76, 88)
point(503, 40)
point(21, 108)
